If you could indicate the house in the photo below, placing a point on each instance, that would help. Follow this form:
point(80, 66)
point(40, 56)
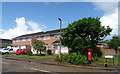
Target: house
point(5, 42)
point(50, 38)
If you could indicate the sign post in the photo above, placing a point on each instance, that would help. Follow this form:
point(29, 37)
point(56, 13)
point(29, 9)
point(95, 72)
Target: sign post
point(107, 57)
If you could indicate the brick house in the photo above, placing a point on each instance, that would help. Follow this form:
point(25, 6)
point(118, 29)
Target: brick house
point(5, 42)
point(50, 38)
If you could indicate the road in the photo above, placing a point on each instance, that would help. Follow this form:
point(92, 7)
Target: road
point(23, 66)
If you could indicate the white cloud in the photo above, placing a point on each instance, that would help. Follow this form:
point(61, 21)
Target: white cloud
point(112, 21)
point(22, 27)
point(110, 16)
point(34, 26)
point(107, 7)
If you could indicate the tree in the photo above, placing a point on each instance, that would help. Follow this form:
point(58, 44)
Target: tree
point(114, 43)
point(83, 34)
point(39, 46)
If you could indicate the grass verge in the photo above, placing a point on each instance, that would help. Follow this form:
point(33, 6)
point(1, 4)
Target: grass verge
point(31, 56)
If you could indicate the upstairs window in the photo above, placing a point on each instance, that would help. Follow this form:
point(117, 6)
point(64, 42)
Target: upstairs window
point(46, 37)
point(13, 40)
point(23, 39)
point(56, 36)
point(17, 40)
point(29, 38)
point(38, 38)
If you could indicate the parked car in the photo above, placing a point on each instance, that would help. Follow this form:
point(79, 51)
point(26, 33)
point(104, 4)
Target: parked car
point(21, 51)
point(7, 51)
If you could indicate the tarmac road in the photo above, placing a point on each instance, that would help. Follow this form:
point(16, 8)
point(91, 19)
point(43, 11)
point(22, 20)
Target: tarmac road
point(9, 65)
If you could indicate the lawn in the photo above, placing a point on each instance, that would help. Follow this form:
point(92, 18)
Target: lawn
point(32, 56)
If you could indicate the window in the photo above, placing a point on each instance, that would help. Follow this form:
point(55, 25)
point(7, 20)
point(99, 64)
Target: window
point(46, 37)
point(56, 36)
point(38, 38)
point(48, 47)
point(29, 38)
point(23, 39)
point(56, 47)
point(17, 40)
point(13, 40)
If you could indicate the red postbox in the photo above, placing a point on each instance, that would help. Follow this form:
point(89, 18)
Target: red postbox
point(89, 55)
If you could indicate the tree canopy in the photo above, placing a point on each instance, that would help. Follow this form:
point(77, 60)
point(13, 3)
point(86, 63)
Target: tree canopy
point(84, 33)
point(114, 43)
point(38, 45)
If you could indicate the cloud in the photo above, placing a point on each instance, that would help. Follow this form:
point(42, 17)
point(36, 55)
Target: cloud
point(22, 27)
point(110, 16)
point(107, 7)
point(34, 26)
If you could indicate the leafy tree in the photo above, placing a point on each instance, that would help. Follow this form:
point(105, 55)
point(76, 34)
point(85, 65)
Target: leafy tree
point(114, 43)
point(39, 46)
point(83, 34)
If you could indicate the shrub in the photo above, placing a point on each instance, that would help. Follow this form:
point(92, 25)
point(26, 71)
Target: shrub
point(49, 52)
point(62, 58)
point(77, 58)
point(95, 58)
point(74, 58)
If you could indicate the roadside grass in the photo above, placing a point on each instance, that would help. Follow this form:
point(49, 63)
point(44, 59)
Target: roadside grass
point(101, 61)
point(108, 61)
point(30, 56)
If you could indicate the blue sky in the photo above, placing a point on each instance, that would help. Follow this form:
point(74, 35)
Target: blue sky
point(20, 18)
point(47, 13)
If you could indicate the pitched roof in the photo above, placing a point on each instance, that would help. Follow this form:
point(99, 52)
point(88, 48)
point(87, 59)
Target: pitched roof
point(38, 33)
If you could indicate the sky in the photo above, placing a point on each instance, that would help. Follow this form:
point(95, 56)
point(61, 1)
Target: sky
point(19, 18)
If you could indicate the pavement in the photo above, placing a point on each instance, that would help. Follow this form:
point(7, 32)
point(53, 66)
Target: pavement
point(51, 61)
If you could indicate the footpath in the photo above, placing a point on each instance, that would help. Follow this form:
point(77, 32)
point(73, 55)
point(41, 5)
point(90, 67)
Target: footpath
point(51, 61)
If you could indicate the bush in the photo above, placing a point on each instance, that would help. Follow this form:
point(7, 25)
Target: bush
point(62, 58)
point(95, 58)
point(49, 52)
point(74, 58)
point(77, 58)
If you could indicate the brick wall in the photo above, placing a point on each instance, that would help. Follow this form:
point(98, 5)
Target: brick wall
point(21, 42)
point(108, 51)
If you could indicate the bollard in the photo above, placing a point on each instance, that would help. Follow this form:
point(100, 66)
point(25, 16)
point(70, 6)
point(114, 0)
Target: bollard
point(106, 65)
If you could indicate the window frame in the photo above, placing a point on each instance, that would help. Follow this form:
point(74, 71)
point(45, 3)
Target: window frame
point(46, 37)
point(57, 36)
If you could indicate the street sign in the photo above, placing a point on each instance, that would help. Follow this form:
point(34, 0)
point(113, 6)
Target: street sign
point(110, 56)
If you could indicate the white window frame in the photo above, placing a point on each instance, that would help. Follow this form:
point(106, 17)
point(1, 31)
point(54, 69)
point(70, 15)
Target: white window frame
point(38, 37)
point(14, 40)
point(55, 47)
point(29, 38)
point(23, 39)
point(18, 40)
point(57, 36)
point(47, 37)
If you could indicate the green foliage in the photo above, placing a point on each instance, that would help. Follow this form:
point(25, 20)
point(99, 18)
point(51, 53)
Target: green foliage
point(95, 58)
point(77, 58)
point(114, 43)
point(83, 34)
point(62, 58)
point(39, 46)
point(73, 58)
